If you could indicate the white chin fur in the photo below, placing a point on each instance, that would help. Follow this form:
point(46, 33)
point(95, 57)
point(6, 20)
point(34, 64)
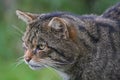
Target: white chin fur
point(35, 67)
point(63, 75)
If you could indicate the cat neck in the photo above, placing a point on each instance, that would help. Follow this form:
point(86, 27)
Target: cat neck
point(63, 75)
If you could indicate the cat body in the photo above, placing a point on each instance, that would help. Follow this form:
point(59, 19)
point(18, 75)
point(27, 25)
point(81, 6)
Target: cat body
point(83, 47)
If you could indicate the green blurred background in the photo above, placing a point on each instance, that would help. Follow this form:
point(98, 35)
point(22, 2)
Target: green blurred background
point(11, 27)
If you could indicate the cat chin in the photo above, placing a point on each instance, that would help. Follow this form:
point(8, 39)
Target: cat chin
point(33, 67)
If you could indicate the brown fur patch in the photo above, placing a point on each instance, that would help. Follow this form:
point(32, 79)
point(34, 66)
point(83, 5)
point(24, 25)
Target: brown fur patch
point(72, 33)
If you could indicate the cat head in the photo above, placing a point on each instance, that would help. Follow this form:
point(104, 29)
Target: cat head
point(49, 40)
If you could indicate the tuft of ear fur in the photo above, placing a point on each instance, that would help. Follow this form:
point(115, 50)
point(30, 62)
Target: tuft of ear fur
point(25, 16)
point(59, 25)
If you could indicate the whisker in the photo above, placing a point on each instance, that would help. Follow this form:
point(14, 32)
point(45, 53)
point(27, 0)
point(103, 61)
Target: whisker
point(52, 71)
point(20, 58)
point(49, 68)
point(18, 29)
point(46, 66)
point(19, 62)
point(16, 64)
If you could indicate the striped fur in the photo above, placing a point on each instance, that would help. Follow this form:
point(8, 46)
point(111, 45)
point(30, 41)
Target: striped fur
point(85, 47)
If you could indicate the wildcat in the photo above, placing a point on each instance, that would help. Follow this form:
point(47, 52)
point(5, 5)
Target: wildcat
point(83, 47)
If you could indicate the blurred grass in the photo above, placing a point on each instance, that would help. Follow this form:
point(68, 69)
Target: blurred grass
point(10, 37)
point(10, 51)
point(22, 72)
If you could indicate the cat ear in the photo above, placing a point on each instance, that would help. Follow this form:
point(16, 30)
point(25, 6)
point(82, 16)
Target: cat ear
point(26, 17)
point(59, 25)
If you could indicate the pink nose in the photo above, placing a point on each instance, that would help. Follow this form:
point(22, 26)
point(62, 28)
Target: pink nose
point(28, 55)
point(27, 59)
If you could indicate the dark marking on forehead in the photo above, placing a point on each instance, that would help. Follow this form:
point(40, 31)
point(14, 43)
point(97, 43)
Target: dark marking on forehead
point(43, 18)
point(51, 15)
point(105, 25)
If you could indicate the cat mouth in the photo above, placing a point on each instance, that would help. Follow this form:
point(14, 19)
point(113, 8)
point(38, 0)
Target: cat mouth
point(35, 67)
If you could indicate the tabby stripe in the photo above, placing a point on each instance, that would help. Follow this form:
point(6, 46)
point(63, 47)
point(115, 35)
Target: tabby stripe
point(112, 44)
point(82, 28)
point(111, 28)
point(59, 52)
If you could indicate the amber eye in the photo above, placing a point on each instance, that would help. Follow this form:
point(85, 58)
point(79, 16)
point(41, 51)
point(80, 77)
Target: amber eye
point(41, 46)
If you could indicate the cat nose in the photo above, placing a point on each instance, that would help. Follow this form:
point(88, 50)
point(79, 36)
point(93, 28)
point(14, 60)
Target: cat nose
point(28, 56)
point(27, 59)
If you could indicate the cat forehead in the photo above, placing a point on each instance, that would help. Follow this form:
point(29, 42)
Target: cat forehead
point(51, 15)
point(45, 17)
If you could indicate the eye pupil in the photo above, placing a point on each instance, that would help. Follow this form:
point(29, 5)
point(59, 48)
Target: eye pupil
point(40, 47)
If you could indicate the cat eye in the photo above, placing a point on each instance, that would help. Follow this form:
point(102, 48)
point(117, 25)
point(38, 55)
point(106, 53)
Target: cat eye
point(41, 46)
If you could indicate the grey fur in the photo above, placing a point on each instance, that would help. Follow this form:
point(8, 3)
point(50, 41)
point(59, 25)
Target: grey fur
point(95, 52)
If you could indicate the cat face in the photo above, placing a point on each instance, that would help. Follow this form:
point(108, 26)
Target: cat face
point(48, 42)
